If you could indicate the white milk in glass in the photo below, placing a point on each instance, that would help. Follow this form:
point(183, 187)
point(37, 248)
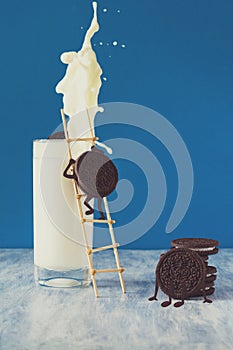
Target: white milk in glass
point(59, 253)
point(60, 256)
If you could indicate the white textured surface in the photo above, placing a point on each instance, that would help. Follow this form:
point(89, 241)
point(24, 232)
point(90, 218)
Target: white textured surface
point(33, 317)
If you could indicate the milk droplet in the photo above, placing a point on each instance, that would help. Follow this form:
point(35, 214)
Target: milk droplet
point(104, 78)
point(105, 10)
point(94, 44)
point(101, 43)
point(81, 27)
point(107, 44)
point(114, 43)
point(109, 56)
point(123, 45)
point(118, 11)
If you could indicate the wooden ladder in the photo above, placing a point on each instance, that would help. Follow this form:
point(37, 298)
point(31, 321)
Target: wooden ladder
point(109, 221)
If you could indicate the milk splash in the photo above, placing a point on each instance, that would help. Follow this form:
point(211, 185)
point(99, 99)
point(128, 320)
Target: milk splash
point(81, 84)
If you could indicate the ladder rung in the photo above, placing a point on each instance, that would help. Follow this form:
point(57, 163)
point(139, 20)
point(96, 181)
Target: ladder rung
point(107, 270)
point(115, 245)
point(80, 195)
point(99, 221)
point(83, 139)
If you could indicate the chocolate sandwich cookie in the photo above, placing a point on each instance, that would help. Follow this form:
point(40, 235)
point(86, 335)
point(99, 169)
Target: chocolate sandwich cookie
point(210, 279)
point(180, 273)
point(211, 270)
point(209, 282)
point(203, 246)
point(183, 272)
point(95, 174)
point(205, 253)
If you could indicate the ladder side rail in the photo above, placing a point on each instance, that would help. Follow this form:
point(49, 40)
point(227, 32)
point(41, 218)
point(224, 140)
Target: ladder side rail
point(114, 242)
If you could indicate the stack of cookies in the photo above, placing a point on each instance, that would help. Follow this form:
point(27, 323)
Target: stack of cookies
point(183, 272)
point(203, 247)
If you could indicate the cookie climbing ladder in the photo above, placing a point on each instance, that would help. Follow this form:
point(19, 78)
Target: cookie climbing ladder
point(109, 221)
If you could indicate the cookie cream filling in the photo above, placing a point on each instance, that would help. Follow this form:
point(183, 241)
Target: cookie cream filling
point(200, 249)
point(203, 249)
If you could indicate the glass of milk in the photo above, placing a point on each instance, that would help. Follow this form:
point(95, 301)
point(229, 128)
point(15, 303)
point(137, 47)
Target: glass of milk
point(60, 257)
point(59, 251)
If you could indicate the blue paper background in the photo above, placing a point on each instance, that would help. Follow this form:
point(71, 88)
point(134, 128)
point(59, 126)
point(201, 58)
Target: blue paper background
point(178, 60)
